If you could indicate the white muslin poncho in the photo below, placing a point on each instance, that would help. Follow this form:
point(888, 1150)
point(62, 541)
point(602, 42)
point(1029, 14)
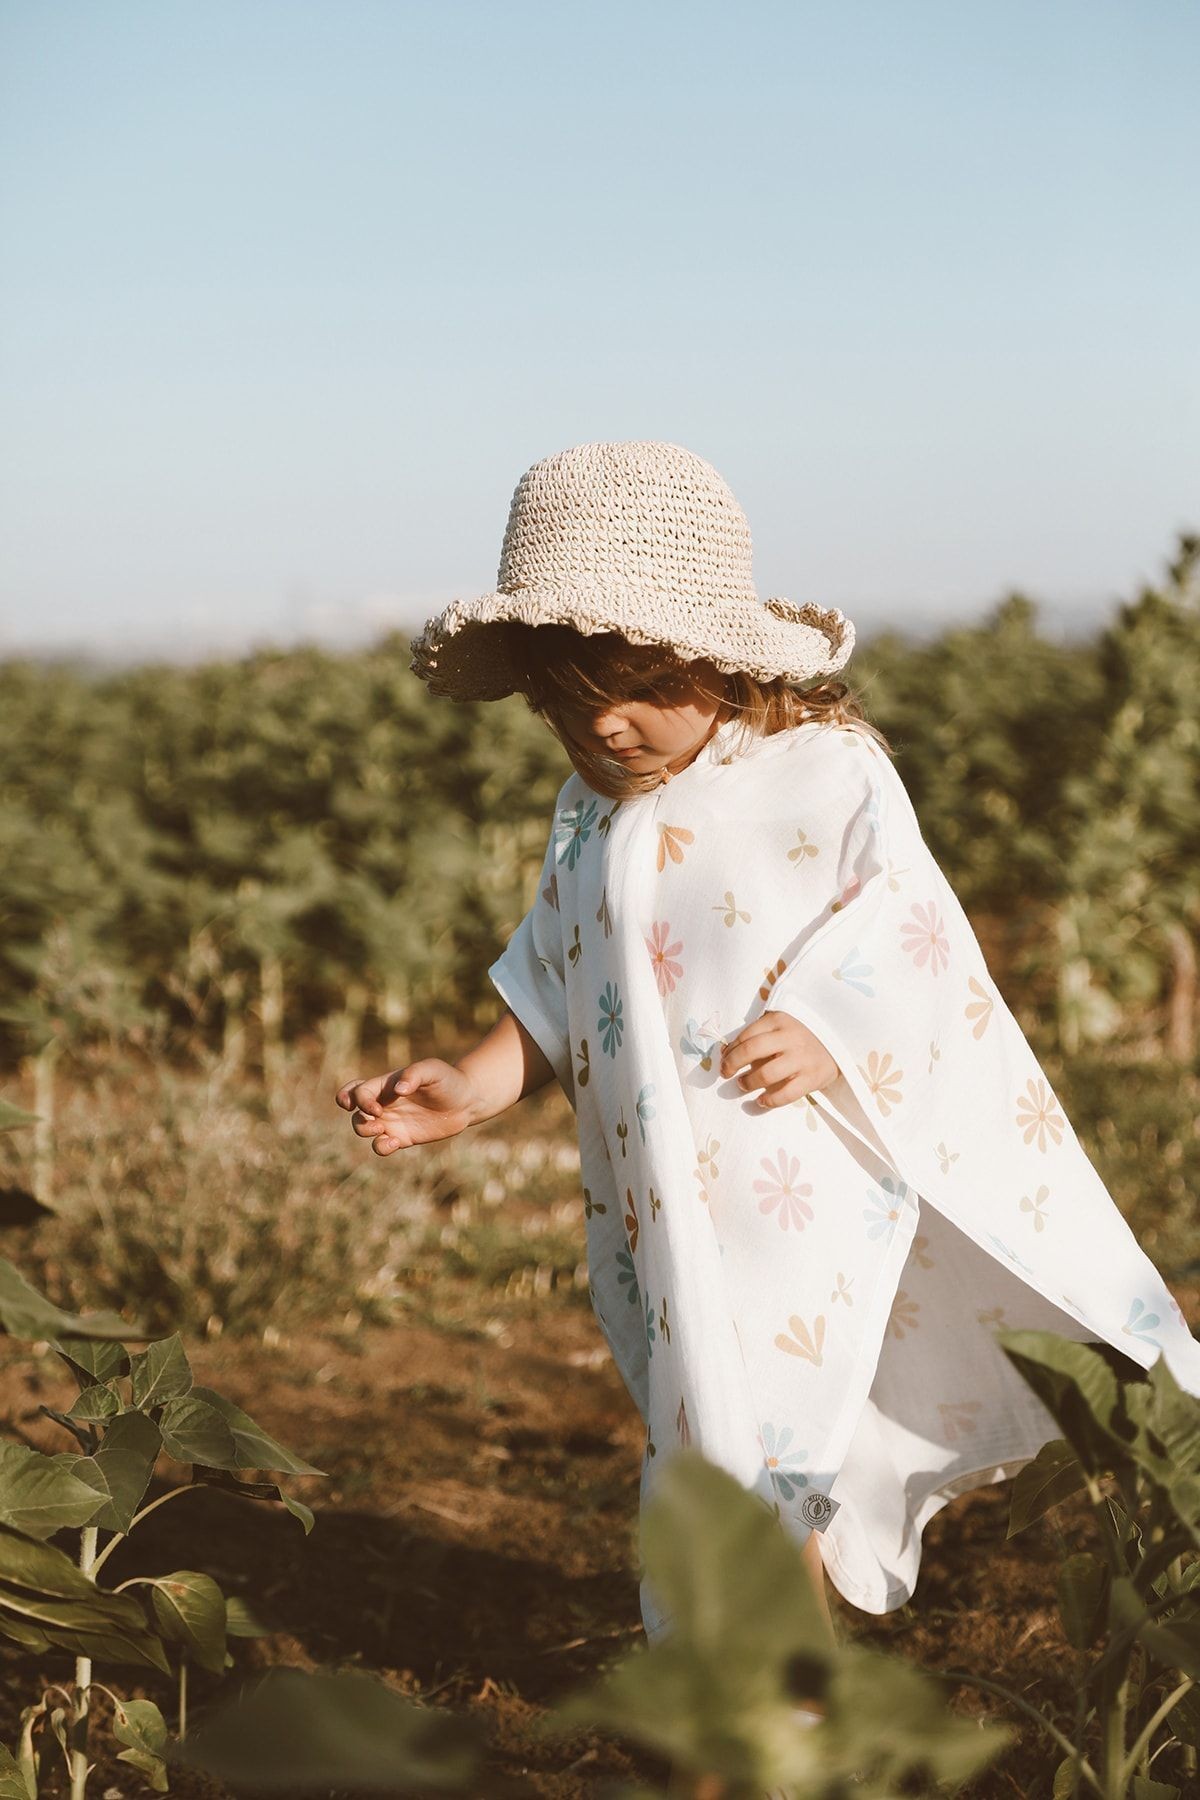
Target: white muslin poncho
point(807, 1293)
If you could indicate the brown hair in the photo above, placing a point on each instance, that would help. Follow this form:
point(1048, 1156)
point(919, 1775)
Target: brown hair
point(559, 668)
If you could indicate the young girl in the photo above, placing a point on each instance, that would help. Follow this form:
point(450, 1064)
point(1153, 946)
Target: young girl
point(821, 1165)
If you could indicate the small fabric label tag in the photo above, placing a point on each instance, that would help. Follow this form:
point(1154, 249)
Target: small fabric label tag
point(817, 1509)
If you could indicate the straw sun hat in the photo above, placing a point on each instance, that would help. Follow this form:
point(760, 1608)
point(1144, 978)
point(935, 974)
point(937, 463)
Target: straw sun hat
point(644, 539)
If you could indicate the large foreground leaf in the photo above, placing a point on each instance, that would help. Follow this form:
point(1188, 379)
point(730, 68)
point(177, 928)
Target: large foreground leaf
point(24, 1313)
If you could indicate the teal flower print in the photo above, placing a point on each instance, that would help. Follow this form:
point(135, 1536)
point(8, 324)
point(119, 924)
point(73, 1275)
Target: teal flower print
point(627, 1277)
point(572, 830)
point(644, 1109)
point(854, 973)
point(1011, 1254)
point(651, 1333)
point(883, 1214)
point(610, 1024)
point(698, 1044)
point(1142, 1322)
point(782, 1460)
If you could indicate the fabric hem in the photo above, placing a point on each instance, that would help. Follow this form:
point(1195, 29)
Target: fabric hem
point(526, 1008)
point(865, 1598)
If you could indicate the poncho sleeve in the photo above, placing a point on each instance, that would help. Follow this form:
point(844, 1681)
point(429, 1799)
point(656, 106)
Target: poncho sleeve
point(529, 974)
point(937, 1076)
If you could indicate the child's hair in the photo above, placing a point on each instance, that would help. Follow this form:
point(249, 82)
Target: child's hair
point(559, 667)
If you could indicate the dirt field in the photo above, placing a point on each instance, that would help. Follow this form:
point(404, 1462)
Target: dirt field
point(474, 1542)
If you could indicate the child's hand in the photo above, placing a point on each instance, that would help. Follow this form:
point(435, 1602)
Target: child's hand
point(418, 1104)
point(785, 1059)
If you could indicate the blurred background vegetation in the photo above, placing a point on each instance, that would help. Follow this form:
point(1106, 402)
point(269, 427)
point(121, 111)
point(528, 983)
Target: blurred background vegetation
point(226, 889)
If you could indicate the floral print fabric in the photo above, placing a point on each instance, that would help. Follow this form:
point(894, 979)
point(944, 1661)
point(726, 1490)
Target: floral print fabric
point(808, 1292)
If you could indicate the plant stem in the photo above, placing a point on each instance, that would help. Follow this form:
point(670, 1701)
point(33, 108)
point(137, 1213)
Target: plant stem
point(994, 1687)
point(183, 1694)
point(1141, 1744)
point(119, 1537)
point(77, 1737)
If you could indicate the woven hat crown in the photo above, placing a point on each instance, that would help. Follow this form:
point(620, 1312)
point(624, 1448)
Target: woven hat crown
point(615, 516)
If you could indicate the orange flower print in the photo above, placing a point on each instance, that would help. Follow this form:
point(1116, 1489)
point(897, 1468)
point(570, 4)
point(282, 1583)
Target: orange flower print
point(935, 1053)
point(981, 1008)
point(708, 1170)
point(810, 1111)
point(550, 893)
point(903, 1316)
point(847, 894)
point(803, 849)
point(956, 1416)
point(883, 1080)
point(770, 977)
point(926, 939)
point(666, 970)
point(603, 915)
point(893, 875)
point(1035, 1206)
point(946, 1157)
point(918, 1250)
point(842, 1290)
point(631, 1221)
point(1036, 1114)
point(783, 1189)
point(802, 1342)
point(671, 839)
point(993, 1316)
point(682, 1426)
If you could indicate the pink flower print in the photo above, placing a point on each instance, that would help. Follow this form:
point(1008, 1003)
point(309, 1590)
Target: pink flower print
point(666, 970)
point(956, 1416)
point(927, 941)
point(1036, 1114)
point(783, 1190)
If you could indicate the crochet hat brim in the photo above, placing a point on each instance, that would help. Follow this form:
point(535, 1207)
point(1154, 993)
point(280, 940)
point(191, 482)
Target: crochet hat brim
point(461, 656)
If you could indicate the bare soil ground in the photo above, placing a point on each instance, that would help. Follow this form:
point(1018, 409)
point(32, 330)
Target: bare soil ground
point(474, 1543)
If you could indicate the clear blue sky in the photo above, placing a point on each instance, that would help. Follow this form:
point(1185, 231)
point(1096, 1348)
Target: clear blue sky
point(292, 293)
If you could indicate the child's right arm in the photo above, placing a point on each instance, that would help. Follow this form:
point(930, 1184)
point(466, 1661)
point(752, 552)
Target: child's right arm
point(432, 1099)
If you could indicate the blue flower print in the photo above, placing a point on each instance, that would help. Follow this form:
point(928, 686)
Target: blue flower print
point(1142, 1322)
point(644, 1109)
point(627, 1276)
point(697, 1044)
point(572, 830)
point(651, 1334)
point(1011, 1254)
point(854, 973)
point(884, 1211)
point(782, 1460)
point(610, 1024)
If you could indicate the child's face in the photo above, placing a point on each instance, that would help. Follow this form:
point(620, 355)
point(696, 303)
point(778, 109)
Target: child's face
point(653, 731)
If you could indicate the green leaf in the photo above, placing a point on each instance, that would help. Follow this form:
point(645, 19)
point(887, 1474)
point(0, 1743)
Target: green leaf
point(253, 1490)
point(1053, 1476)
point(96, 1403)
point(12, 1116)
point(109, 1626)
point(296, 1730)
point(255, 1449)
point(1079, 1388)
point(194, 1431)
point(140, 1725)
point(242, 1621)
point(189, 1609)
point(26, 1562)
point(91, 1363)
point(125, 1463)
point(42, 1494)
point(1083, 1585)
point(1143, 1788)
point(1174, 1646)
point(12, 1782)
point(160, 1373)
point(24, 1313)
point(299, 1511)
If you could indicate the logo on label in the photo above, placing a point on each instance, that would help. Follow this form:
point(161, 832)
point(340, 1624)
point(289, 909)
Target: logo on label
point(817, 1509)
